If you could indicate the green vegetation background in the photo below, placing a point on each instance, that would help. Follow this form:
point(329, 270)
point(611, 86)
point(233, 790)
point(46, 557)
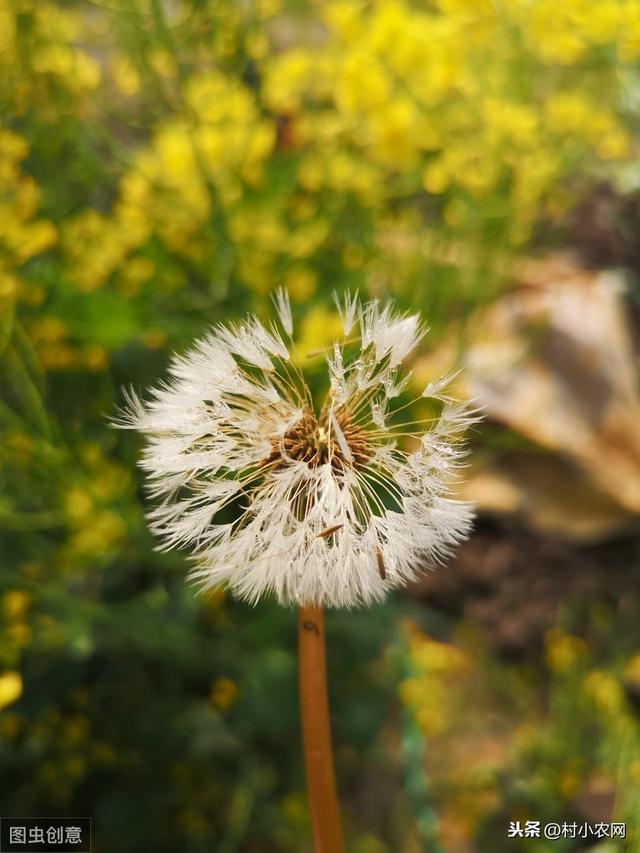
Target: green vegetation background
point(166, 165)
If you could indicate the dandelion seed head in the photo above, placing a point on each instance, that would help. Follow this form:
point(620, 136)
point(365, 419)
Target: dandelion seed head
point(332, 504)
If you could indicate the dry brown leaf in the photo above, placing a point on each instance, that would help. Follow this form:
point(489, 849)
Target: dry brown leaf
point(555, 361)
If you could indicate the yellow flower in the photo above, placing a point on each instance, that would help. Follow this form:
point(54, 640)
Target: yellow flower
point(461, 6)
point(561, 43)
point(600, 20)
point(563, 651)
point(20, 633)
point(605, 691)
point(435, 178)
point(296, 810)
point(508, 121)
point(288, 79)
point(571, 778)
point(154, 338)
point(7, 30)
point(431, 656)
point(223, 693)
point(162, 61)
point(95, 358)
point(9, 285)
point(10, 687)
point(567, 111)
point(125, 75)
point(78, 504)
point(394, 140)
point(268, 8)
point(15, 603)
point(307, 238)
point(344, 18)
point(318, 328)
point(629, 34)
point(634, 772)
point(362, 84)
point(301, 282)
point(614, 145)
point(632, 670)
point(78, 69)
point(101, 531)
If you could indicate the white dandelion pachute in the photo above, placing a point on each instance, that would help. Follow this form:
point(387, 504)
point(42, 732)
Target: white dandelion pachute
point(273, 496)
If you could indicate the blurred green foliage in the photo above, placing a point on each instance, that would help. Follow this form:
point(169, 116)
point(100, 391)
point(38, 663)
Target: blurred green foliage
point(164, 165)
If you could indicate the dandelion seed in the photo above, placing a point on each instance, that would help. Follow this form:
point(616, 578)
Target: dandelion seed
point(347, 308)
point(381, 568)
point(436, 387)
point(255, 480)
point(329, 531)
point(283, 307)
point(342, 441)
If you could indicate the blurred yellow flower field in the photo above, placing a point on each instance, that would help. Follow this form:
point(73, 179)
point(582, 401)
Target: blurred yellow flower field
point(166, 165)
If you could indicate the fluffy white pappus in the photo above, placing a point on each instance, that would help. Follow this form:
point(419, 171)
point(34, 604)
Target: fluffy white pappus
point(329, 505)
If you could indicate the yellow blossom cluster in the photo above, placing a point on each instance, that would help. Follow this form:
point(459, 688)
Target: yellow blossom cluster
point(91, 511)
point(434, 686)
point(40, 57)
point(484, 104)
point(546, 753)
point(16, 632)
point(22, 233)
point(200, 187)
point(468, 119)
point(10, 687)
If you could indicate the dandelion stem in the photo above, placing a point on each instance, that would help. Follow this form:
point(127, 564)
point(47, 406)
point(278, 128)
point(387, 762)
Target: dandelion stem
point(316, 732)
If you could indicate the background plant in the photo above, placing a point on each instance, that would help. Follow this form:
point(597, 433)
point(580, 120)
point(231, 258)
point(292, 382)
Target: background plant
point(167, 165)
